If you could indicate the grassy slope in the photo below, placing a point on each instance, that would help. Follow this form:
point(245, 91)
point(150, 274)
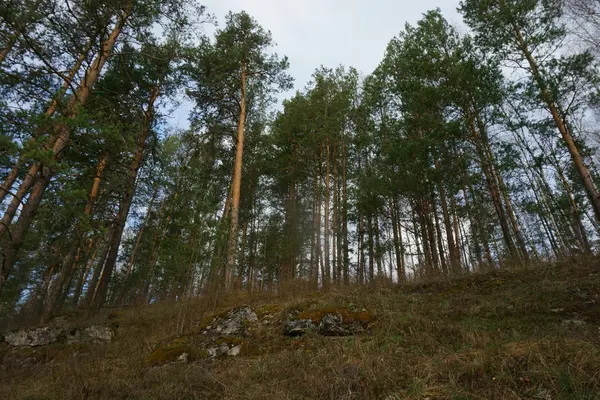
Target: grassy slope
point(498, 335)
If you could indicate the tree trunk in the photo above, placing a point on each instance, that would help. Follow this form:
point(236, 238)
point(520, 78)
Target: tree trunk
point(398, 245)
point(68, 267)
point(345, 219)
point(125, 203)
point(90, 294)
point(236, 185)
point(440, 244)
point(84, 276)
point(141, 231)
point(504, 190)
point(62, 140)
point(361, 249)
point(452, 243)
point(156, 251)
point(327, 277)
point(136, 246)
point(578, 225)
point(14, 172)
point(493, 188)
point(457, 268)
point(584, 172)
point(371, 250)
point(378, 253)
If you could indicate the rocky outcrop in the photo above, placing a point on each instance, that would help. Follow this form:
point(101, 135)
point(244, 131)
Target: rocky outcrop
point(196, 347)
point(329, 322)
point(91, 334)
point(33, 337)
point(234, 322)
point(58, 334)
point(222, 335)
point(236, 332)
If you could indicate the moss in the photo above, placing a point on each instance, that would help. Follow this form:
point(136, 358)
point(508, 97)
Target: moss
point(230, 340)
point(195, 347)
point(348, 316)
point(269, 309)
point(4, 349)
point(170, 352)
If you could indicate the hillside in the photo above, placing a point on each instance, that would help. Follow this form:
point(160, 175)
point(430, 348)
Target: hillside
point(531, 333)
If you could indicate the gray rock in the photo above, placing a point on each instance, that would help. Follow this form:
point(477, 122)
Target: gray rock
point(91, 334)
point(333, 325)
point(182, 359)
point(235, 351)
point(234, 323)
point(48, 335)
point(224, 350)
point(330, 325)
point(213, 352)
point(33, 337)
point(573, 322)
point(298, 327)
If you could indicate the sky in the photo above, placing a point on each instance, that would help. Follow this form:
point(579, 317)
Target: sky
point(312, 33)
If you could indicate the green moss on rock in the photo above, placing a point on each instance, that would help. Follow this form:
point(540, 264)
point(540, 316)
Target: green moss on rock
point(348, 316)
point(171, 351)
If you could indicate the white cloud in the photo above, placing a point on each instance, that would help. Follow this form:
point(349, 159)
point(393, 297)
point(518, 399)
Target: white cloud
point(331, 32)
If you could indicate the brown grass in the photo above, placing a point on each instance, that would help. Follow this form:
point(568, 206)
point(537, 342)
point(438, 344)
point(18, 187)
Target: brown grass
point(496, 335)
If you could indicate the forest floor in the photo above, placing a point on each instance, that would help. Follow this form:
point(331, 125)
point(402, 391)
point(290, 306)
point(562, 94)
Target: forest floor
point(527, 333)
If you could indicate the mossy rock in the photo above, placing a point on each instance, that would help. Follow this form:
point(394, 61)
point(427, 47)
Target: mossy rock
point(233, 322)
point(196, 348)
point(333, 321)
point(231, 341)
point(362, 317)
point(170, 352)
point(268, 310)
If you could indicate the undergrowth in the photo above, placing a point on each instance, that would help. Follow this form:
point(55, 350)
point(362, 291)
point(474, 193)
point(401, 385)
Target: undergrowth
point(529, 333)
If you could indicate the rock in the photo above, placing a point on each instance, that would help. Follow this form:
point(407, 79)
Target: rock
point(213, 352)
point(329, 322)
point(542, 394)
point(192, 348)
point(235, 351)
point(182, 359)
point(33, 337)
point(91, 334)
point(48, 335)
point(333, 325)
point(573, 322)
point(233, 323)
point(298, 327)
point(172, 352)
point(230, 347)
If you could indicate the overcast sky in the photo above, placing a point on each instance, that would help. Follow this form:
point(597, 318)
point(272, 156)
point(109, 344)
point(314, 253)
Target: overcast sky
point(330, 32)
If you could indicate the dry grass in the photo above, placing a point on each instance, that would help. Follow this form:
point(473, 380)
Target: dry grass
point(497, 335)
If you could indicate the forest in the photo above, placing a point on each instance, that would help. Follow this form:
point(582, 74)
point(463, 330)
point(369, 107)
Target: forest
point(467, 149)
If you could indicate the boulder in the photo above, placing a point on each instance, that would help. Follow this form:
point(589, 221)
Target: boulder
point(298, 327)
point(91, 334)
point(33, 337)
point(54, 334)
point(232, 323)
point(329, 322)
point(192, 348)
point(224, 349)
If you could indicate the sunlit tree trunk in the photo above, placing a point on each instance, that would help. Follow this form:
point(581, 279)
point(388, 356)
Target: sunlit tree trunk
point(236, 185)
